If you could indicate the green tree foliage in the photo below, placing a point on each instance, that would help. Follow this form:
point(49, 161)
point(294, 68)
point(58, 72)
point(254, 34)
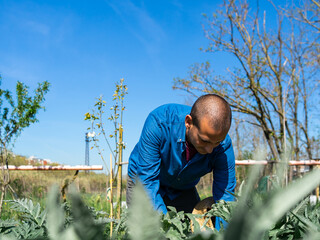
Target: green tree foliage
point(16, 114)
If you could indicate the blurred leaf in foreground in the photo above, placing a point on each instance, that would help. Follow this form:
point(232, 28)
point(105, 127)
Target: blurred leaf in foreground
point(143, 220)
point(253, 222)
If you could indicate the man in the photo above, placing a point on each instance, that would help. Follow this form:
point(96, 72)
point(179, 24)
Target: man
point(178, 145)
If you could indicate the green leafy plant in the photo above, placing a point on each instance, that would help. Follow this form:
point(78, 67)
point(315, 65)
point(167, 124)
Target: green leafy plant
point(254, 216)
point(82, 225)
point(139, 228)
point(284, 213)
point(31, 222)
point(97, 118)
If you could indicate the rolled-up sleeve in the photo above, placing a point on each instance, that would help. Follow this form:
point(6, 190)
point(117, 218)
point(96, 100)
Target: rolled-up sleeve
point(224, 179)
point(148, 161)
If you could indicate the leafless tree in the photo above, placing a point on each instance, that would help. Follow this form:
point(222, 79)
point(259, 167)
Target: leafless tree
point(272, 80)
point(306, 15)
point(246, 138)
point(307, 12)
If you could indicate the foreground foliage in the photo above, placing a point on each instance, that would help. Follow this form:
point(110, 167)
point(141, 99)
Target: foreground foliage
point(283, 213)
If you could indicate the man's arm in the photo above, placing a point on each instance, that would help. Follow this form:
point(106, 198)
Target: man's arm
point(224, 175)
point(148, 161)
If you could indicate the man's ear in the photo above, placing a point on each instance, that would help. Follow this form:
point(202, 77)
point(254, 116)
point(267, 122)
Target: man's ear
point(188, 121)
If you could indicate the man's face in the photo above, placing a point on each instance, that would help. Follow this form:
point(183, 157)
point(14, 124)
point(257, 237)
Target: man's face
point(204, 138)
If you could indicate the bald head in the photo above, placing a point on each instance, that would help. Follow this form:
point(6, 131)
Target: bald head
point(213, 107)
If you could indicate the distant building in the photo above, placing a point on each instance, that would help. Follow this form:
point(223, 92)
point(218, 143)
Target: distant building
point(35, 160)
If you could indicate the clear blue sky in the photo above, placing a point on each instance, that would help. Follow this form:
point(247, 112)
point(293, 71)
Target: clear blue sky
point(83, 48)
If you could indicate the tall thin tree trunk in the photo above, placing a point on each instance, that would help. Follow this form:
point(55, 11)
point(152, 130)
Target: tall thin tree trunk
point(239, 154)
point(111, 196)
point(119, 177)
point(5, 176)
point(306, 121)
point(295, 118)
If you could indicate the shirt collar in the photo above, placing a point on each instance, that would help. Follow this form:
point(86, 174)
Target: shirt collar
point(182, 134)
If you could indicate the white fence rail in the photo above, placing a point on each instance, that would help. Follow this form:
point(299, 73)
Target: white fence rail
point(53, 168)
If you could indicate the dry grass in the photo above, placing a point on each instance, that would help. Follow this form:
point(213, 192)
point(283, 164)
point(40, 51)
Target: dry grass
point(37, 183)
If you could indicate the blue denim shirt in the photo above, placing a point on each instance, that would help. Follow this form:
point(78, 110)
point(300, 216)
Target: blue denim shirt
point(159, 160)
